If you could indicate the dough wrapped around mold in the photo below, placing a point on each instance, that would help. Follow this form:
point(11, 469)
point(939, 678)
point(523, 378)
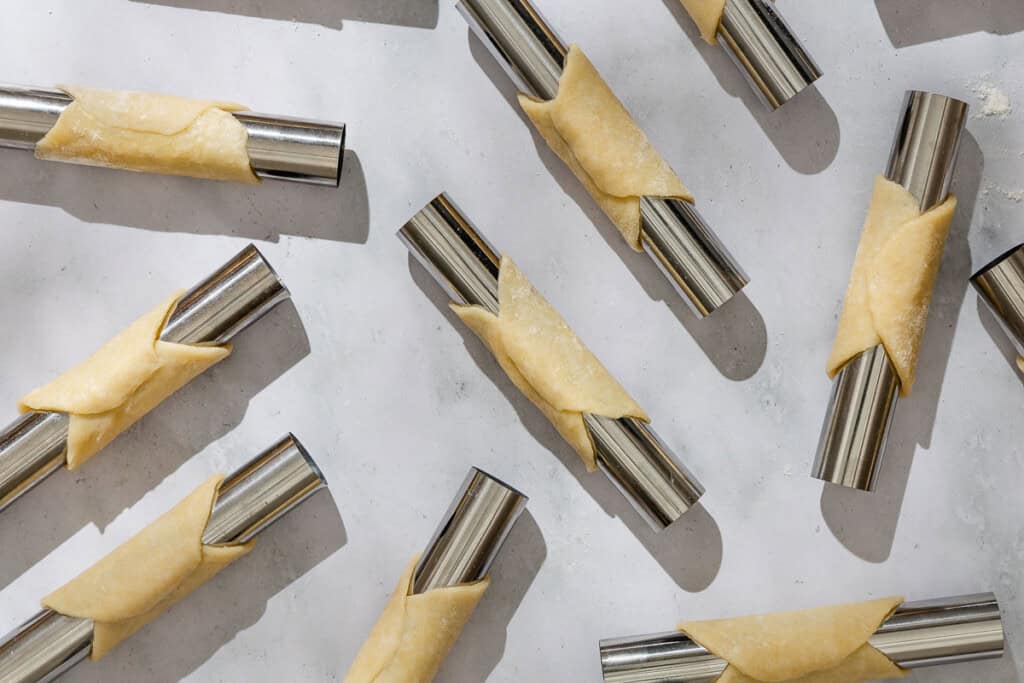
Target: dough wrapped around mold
point(122, 381)
point(547, 361)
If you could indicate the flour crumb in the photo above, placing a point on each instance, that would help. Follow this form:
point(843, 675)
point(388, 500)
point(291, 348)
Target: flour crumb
point(994, 102)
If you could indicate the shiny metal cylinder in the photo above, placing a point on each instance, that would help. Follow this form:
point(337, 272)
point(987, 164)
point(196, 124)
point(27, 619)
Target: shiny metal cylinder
point(926, 633)
point(235, 296)
point(239, 293)
point(1001, 286)
point(254, 497)
point(764, 48)
point(521, 41)
point(689, 254)
point(31, 448)
point(866, 389)
point(471, 534)
point(673, 233)
point(280, 148)
point(857, 421)
point(628, 451)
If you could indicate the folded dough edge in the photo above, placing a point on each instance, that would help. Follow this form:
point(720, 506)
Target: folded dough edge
point(122, 381)
point(415, 633)
point(892, 280)
point(707, 14)
point(594, 135)
point(151, 133)
point(150, 572)
point(547, 361)
point(818, 645)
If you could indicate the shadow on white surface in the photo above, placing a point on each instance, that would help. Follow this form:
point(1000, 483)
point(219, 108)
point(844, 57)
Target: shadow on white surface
point(734, 338)
point(482, 644)
point(911, 22)
point(202, 207)
point(196, 415)
point(866, 522)
point(191, 632)
point(804, 131)
point(330, 13)
point(999, 337)
point(690, 551)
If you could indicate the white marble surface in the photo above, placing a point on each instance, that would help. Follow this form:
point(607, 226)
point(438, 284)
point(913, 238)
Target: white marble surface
point(397, 400)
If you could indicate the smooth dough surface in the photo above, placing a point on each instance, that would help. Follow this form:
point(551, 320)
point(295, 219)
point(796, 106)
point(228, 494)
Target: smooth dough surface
point(820, 645)
point(147, 574)
point(707, 14)
point(547, 361)
point(152, 133)
point(590, 130)
point(892, 280)
point(122, 381)
point(414, 634)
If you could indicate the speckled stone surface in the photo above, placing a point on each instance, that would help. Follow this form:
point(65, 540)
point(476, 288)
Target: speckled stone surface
point(397, 400)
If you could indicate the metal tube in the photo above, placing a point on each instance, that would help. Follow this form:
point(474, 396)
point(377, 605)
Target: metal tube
point(865, 390)
point(254, 497)
point(239, 293)
point(1001, 286)
point(280, 148)
point(628, 451)
point(472, 532)
point(673, 233)
point(767, 53)
point(932, 632)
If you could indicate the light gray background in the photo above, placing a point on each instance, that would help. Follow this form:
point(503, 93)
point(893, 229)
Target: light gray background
point(397, 400)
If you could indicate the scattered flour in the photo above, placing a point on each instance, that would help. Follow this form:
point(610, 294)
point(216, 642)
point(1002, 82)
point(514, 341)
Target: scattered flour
point(994, 102)
point(1013, 195)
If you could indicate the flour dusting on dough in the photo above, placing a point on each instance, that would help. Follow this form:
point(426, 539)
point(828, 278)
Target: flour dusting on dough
point(994, 102)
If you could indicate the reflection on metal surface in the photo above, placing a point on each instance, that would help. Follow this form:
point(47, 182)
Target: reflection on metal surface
point(864, 396)
point(865, 390)
point(472, 532)
point(239, 293)
point(1001, 286)
point(927, 633)
point(628, 451)
point(760, 43)
point(280, 148)
point(250, 500)
point(689, 254)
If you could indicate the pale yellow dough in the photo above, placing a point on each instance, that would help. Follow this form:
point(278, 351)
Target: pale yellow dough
point(414, 634)
point(590, 130)
point(707, 14)
point(147, 574)
point(122, 381)
point(153, 133)
point(821, 645)
point(892, 280)
point(546, 360)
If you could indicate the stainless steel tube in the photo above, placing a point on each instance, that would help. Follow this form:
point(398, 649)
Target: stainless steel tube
point(472, 532)
point(254, 497)
point(673, 233)
point(760, 43)
point(1001, 286)
point(927, 633)
point(865, 390)
point(239, 293)
point(280, 148)
point(627, 450)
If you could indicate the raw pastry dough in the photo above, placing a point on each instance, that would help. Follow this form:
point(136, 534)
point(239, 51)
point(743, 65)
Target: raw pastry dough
point(122, 381)
point(707, 14)
point(821, 645)
point(590, 130)
point(546, 360)
point(143, 577)
point(148, 132)
point(414, 634)
point(892, 280)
